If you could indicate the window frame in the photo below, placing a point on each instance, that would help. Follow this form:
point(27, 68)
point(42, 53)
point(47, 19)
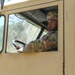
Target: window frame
point(48, 4)
point(3, 32)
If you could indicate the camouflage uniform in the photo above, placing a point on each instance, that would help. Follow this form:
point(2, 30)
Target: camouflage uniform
point(47, 43)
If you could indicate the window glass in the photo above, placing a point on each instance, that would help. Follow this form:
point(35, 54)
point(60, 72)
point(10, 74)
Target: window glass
point(21, 29)
point(1, 31)
point(9, 2)
point(44, 33)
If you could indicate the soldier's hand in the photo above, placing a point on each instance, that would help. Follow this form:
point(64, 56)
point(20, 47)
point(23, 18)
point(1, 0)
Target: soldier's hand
point(18, 47)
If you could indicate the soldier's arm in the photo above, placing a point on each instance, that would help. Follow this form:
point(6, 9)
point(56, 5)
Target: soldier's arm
point(34, 46)
point(50, 45)
point(39, 46)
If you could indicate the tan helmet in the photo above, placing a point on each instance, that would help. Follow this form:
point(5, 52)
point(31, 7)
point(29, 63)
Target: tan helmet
point(52, 15)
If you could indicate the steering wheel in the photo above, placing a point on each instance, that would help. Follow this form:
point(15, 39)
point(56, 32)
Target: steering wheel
point(17, 41)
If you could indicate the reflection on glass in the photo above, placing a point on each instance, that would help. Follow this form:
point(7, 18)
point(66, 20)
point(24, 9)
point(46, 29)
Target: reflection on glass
point(22, 30)
point(44, 33)
point(1, 31)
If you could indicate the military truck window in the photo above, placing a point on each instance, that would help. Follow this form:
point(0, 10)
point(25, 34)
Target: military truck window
point(31, 28)
point(2, 19)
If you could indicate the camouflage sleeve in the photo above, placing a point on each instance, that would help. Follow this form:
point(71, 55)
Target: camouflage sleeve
point(50, 45)
point(41, 45)
point(50, 41)
point(34, 46)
